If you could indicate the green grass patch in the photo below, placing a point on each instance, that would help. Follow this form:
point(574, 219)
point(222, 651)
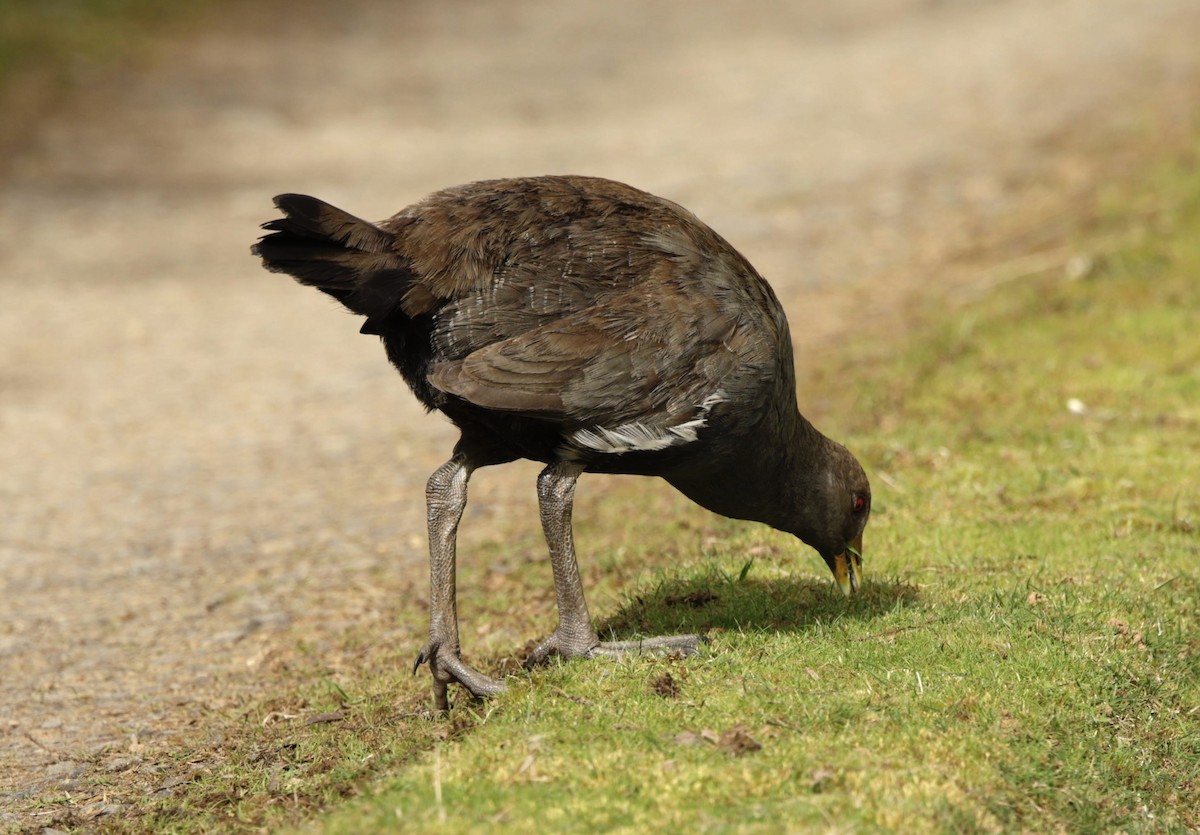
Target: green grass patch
point(67, 37)
point(1024, 657)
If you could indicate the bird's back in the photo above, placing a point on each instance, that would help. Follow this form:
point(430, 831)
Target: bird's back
point(595, 318)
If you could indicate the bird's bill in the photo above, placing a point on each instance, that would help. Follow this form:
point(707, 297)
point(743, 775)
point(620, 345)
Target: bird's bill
point(847, 567)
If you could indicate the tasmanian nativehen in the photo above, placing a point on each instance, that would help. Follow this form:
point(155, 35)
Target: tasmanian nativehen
point(592, 327)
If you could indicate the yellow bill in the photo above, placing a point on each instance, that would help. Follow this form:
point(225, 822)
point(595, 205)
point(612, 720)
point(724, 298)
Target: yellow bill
point(847, 567)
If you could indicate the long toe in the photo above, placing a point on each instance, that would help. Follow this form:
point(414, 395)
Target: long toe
point(447, 667)
point(682, 644)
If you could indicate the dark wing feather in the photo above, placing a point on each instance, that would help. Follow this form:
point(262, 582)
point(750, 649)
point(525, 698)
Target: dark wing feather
point(529, 373)
point(601, 367)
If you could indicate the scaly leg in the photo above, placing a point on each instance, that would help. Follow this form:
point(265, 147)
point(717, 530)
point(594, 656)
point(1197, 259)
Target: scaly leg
point(446, 496)
point(575, 635)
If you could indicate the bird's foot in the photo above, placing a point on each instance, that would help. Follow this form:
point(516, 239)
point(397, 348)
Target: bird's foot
point(558, 644)
point(447, 666)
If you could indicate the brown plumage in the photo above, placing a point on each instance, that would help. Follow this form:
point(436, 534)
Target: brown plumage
point(593, 327)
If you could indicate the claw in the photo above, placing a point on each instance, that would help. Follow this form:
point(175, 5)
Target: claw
point(446, 667)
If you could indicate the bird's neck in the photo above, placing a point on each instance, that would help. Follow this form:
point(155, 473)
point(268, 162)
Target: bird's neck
point(799, 465)
point(767, 479)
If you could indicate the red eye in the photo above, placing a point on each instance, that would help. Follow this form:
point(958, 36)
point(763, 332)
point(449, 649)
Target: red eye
point(860, 504)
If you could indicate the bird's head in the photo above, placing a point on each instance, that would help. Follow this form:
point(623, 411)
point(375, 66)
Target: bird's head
point(837, 516)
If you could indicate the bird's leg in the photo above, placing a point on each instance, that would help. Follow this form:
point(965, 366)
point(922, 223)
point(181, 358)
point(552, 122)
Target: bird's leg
point(446, 496)
point(575, 635)
point(556, 495)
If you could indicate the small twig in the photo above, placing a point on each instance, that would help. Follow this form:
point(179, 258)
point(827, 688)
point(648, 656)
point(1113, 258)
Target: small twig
point(1165, 582)
point(888, 633)
point(41, 744)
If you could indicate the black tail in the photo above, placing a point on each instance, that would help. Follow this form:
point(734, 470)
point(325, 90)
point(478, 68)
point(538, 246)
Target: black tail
point(347, 257)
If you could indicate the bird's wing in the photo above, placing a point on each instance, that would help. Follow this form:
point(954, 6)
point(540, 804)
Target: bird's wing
point(617, 368)
point(525, 374)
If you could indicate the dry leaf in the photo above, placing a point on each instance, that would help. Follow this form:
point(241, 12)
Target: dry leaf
point(319, 718)
point(737, 741)
point(665, 686)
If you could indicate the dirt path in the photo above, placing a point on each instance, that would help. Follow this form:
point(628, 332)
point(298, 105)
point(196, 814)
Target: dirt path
point(193, 451)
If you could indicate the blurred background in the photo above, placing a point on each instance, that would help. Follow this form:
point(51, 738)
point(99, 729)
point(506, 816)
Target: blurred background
point(198, 459)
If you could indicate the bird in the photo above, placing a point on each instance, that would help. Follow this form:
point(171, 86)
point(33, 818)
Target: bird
point(592, 327)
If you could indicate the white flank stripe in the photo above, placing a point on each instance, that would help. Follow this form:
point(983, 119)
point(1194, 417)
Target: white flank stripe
point(640, 437)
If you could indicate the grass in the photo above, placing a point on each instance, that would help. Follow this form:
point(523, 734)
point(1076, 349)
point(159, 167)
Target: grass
point(49, 48)
point(1025, 655)
point(65, 37)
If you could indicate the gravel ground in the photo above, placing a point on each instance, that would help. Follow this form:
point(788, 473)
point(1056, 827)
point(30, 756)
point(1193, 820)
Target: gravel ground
point(199, 460)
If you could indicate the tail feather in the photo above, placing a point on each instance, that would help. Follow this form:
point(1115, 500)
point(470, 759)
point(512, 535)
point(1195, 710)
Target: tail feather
point(308, 216)
point(347, 257)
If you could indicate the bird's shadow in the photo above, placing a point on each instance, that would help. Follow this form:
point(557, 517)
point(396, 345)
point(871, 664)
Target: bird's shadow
point(705, 603)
